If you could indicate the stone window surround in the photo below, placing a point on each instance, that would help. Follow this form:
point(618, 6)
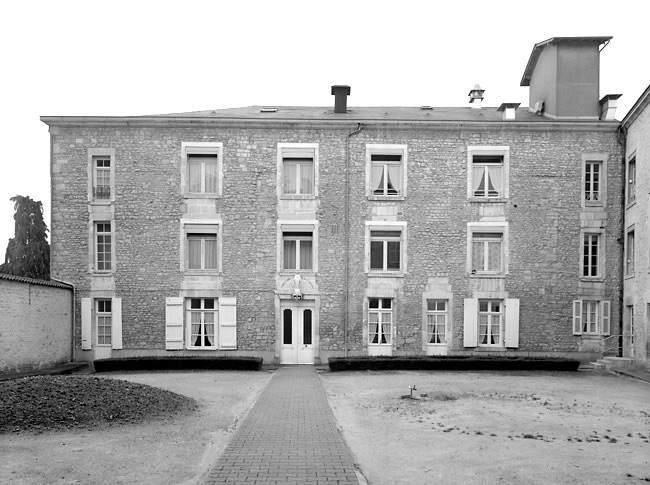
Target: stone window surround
point(498, 150)
point(488, 226)
point(597, 157)
point(400, 226)
point(92, 244)
point(212, 225)
point(94, 153)
point(201, 148)
point(386, 149)
point(602, 253)
point(297, 226)
point(280, 164)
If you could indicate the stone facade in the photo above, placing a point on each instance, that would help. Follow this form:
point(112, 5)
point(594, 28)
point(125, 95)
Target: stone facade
point(35, 324)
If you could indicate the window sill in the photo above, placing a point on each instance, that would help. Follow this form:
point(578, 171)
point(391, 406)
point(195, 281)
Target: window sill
point(386, 274)
point(102, 273)
point(488, 200)
point(387, 198)
point(297, 197)
point(101, 201)
point(301, 272)
point(593, 279)
point(202, 348)
point(495, 348)
point(202, 272)
point(436, 345)
point(593, 205)
point(487, 275)
point(201, 196)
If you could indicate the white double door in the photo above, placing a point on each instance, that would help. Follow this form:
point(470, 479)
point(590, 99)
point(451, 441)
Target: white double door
point(297, 327)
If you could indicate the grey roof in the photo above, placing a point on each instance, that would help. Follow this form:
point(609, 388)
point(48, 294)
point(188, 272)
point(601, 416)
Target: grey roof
point(33, 281)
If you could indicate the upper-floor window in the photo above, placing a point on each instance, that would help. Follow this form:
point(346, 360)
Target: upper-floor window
point(591, 255)
point(386, 166)
point(298, 169)
point(594, 179)
point(101, 177)
point(631, 180)
point(488, 172)
point(103, 246)
point(593, 169)
point(385, 250)
point(202, 247)
point(487, 253)
point(201, 165)
point(629, 253)
point(297, 250)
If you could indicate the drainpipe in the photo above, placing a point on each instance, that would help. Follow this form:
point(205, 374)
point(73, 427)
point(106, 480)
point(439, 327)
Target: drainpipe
point(621, 137)
point(346, 222)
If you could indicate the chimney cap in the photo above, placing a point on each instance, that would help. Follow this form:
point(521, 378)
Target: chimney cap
point(341, 88)
point(477, 89)
point(609, 97)
point(505, 106)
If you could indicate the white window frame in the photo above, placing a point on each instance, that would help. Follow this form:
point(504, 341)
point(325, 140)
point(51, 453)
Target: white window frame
point(213, 228)
point(601, 322)
point(89, 322)
point(386, 149)
point(488, 227)
point(490, 313)
point(202, 311)
point(298, 151)
point(101, 317)
point(630, 255)
point(584, 263)
point(381, 313)
point(380, 226)
point(96, 235)
point(630, 188)
point(95, 154)
point(497, 151)
point(288, 227)
point(435, 313)
point(586, 195)
point(201, 148)
point(509, 321)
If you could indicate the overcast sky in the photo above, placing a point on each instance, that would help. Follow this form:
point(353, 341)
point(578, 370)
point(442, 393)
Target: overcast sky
point(66, 58)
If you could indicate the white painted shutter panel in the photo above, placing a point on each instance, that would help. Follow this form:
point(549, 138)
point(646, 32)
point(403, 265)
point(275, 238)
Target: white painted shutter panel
point(470, 324)
point(228, 323)
point(86, 323)
point(512, 322)
point(173, 323)
point(116, 316)
point(604, 311)
point(577, 317)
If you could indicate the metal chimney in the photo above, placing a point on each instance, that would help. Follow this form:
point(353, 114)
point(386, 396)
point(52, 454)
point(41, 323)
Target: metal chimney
point(340, 93)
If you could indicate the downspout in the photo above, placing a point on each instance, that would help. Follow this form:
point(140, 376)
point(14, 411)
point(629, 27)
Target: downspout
point(346, 223)
point(621, 137)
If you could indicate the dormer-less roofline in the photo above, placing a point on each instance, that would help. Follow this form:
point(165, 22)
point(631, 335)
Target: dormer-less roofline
point(537, 50)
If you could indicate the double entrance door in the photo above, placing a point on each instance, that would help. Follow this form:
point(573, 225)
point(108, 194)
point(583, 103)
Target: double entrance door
point(297, 332)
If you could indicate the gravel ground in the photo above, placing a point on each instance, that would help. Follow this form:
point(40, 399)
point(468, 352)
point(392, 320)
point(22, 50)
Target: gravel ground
point(37, 404)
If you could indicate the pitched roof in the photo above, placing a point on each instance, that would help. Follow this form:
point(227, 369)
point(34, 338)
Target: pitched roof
point(33, 281)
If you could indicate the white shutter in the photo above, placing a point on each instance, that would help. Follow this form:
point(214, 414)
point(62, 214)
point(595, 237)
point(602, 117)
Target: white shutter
point(228, 323)
point(116, 320)
point(604, 311)
point(577, 317)
point(512, 322)
point(86, 323)
point(173, 323)
point(470, 324)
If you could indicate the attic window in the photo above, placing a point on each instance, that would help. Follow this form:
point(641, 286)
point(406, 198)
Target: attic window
point(426, 107)
point(269, 110)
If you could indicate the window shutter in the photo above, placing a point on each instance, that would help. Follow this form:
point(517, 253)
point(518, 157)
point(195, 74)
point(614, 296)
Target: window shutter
point(86, 323)
point(470, 325)
point(577, 317)
point(228, 323)
point(116, 319)
point(174, 323)
point(604, 311)
point(512, 322)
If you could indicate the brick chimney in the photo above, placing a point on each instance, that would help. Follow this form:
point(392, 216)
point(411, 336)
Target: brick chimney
point(340, 93)
point(563, 74)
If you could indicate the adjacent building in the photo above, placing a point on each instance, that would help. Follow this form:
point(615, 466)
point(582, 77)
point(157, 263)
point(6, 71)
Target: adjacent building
point(301, 233)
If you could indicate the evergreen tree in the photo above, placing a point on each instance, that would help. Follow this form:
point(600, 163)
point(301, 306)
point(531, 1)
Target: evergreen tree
point(28, 252)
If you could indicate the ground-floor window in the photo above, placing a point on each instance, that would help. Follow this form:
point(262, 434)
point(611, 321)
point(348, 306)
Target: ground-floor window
point(202, 321)
point(103, 320)
point(437, 321)
point(380, 320)
point(591, 317)
point(490, 317)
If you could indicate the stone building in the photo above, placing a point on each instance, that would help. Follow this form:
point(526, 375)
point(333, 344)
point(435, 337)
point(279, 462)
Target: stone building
point(634, 339)
point(300, 233)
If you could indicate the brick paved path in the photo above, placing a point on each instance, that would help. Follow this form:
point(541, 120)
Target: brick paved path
point(289, 437)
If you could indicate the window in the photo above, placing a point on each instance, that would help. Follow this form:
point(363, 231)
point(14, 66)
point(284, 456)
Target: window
point(385, 254)
point(490, 316)
point(436, 321)
point(103, 320)
point(631, 180)
point(101, 177)
point(380, 321)
point(201, 169)
point(488, 172)
point(297, 251)
point(591, 255)
point(629, 254)
point(591, 317)
point(298, 169)
point(202, 317)
point(594, 179)
point(103, 246)
point(202, 247)
point(491, 322)
point(487, 253)
point(386, 171)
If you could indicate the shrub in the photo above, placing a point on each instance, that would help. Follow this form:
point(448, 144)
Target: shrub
point(462, 362)
point(178, 363)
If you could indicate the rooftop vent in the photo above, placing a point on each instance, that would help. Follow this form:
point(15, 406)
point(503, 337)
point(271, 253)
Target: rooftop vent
point(476, 96)
point(427, 108)
point(509, 110)
point(340, 93)
point(269, 110)
point(608, 106)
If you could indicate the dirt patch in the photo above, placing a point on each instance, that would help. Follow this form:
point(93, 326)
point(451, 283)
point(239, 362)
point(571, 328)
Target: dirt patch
point(178, 449)
point(491, 427)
